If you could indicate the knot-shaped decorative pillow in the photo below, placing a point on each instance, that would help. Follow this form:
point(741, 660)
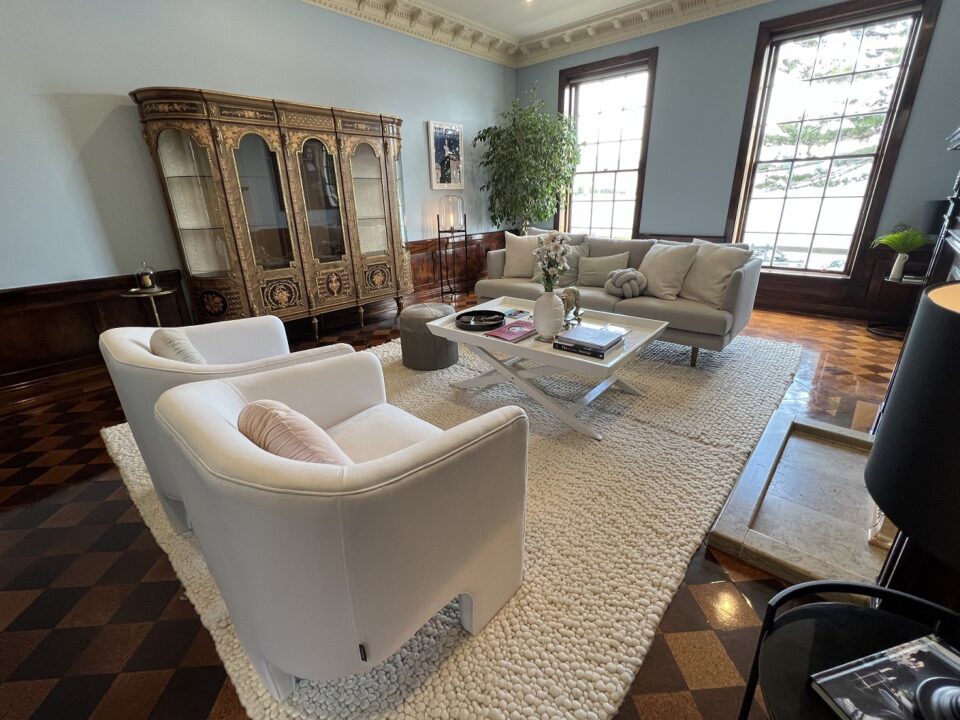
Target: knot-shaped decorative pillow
point(627, 283)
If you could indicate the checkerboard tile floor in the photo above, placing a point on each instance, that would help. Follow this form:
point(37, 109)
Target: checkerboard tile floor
point(93, 622)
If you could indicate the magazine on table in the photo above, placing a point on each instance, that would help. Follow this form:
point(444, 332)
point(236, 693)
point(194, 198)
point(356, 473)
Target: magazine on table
point(589, 352)
point(513, 332)
point(918, 680)
point(515, 313)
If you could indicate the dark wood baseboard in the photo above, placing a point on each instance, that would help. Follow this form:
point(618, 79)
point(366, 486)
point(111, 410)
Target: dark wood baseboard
point(52, 330)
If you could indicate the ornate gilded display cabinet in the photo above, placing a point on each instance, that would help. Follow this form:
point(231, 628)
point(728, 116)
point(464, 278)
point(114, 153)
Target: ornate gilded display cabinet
point(279, 208)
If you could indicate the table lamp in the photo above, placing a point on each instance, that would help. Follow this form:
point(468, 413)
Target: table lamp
point(913, 472)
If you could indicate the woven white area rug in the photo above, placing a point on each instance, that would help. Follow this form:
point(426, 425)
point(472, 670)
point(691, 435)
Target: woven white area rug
point(610, 528)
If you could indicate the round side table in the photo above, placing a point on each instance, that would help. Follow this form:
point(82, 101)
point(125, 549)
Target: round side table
point(150, 295)
point(821, 635)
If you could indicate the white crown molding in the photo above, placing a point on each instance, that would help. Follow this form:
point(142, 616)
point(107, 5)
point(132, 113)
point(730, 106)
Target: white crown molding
point(428, 22)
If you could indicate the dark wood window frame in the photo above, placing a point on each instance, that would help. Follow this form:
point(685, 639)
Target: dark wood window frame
point(847, 293)
point(640, 60)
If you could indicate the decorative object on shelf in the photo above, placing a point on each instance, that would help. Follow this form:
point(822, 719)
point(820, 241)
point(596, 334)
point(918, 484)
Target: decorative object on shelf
point(451, 243)
point(911, 472)
point(903, 241)
point(279, 208)
point(480, 320)
point(530, 160)
point(146, 278)
point(446, 155)
point(452, 216)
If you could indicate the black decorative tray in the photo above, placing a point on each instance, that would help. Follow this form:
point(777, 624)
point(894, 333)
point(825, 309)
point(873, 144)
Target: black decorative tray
point(480, 320)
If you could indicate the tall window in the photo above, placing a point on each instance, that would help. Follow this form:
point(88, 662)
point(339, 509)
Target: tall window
point(611, 103)
point(820, 134)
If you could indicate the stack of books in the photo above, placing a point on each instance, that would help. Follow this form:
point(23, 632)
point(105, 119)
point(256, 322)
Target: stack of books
point(592, 340)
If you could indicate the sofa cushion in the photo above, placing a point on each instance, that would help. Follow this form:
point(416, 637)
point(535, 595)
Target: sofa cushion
point(569, 276)
point(520, 258)
point(600, 247)
point(523, 288)
point(173, 344)
point(682, 314)
point(665, 267)
point(711, 271)
point(593, 271)
point(282, 431)
point(393, 428)
point(593, 298)
point(572, 238)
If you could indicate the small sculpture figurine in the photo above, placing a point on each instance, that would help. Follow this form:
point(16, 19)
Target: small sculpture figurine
point(571, 306)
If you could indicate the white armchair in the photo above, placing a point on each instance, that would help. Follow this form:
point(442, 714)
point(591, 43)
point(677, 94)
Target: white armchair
point(235, 347)
point(327, 570)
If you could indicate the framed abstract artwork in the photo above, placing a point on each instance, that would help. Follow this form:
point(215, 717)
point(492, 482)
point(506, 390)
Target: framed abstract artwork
point(445, 144)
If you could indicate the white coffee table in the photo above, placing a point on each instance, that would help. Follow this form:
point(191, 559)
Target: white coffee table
point(550, 361)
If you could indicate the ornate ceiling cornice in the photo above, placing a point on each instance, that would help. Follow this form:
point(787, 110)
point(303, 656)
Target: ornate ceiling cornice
point(428, 22)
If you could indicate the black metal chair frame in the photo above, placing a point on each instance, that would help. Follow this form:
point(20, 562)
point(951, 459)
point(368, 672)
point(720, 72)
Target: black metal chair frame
point(937, 613)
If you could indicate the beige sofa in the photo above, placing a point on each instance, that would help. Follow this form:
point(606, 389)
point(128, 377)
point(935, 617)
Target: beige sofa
point(692, 323)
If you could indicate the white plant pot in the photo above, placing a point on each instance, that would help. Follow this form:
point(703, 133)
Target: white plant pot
point(548, 315)
point(896, 272)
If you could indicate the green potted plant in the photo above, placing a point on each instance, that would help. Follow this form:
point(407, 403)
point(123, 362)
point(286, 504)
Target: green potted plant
point(529, 160)
point(903, 241)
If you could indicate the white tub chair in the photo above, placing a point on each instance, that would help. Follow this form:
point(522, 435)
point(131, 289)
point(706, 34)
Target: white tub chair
point(235, 347)
point(327, 570)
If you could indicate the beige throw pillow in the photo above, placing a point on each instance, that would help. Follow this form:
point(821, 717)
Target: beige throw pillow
point(174, 344)
point(711, 271)
point(572, 238)
point(569, 276)
point(282, 431)
point(665, 266)
point(593, 271)
point(520, 260)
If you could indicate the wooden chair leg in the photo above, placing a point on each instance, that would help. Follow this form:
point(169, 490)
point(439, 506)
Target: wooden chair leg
point(694, 353)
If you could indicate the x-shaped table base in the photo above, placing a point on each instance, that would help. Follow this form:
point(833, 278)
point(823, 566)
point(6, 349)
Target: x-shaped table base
point(504, 371)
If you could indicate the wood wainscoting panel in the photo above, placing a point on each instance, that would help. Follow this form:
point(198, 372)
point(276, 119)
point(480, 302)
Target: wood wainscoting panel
point(48, 329)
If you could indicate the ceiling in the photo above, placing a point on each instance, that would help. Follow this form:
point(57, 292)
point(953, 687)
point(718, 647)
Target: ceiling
point(521, 19)
point(518, 33)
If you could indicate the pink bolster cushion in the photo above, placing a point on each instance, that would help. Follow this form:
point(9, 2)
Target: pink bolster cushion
point(283, 431)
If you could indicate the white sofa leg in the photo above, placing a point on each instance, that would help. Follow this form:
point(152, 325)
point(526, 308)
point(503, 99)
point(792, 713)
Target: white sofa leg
point(477, 609)
point(279, 683)
point(176, 513)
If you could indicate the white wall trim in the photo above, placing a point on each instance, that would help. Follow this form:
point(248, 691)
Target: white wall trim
point(428, 22)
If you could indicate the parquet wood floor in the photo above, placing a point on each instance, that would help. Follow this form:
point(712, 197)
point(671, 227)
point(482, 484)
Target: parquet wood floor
point(93, 622)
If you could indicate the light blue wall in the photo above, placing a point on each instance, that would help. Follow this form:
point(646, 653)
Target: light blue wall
point(79, 197)
point(703, 74)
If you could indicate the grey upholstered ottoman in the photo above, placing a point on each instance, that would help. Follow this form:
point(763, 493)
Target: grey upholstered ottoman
point(422, 350)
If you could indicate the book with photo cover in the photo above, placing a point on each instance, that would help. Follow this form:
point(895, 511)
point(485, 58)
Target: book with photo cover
point(918, 680)
point(514, 332)
point(588, 351)
point(596, 337)
point(515, 313)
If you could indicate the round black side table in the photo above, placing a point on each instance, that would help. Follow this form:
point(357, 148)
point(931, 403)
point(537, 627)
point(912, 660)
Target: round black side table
point(151, 295)
point(821, 635)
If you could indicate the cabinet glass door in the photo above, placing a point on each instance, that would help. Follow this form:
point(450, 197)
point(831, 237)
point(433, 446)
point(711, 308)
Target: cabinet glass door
point(368, 193)
point(258, 172)
point(401, 202)
point(318, 175)
point(193, 196)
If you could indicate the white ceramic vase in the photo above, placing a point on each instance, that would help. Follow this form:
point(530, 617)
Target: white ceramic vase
point(896, 272)
point(548, 315)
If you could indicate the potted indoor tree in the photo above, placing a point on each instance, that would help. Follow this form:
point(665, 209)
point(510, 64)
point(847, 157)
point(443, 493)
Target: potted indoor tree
point(903, 241)
point(529, 160)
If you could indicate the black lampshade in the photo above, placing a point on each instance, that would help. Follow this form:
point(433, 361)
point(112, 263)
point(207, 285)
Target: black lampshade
point(913, 472)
